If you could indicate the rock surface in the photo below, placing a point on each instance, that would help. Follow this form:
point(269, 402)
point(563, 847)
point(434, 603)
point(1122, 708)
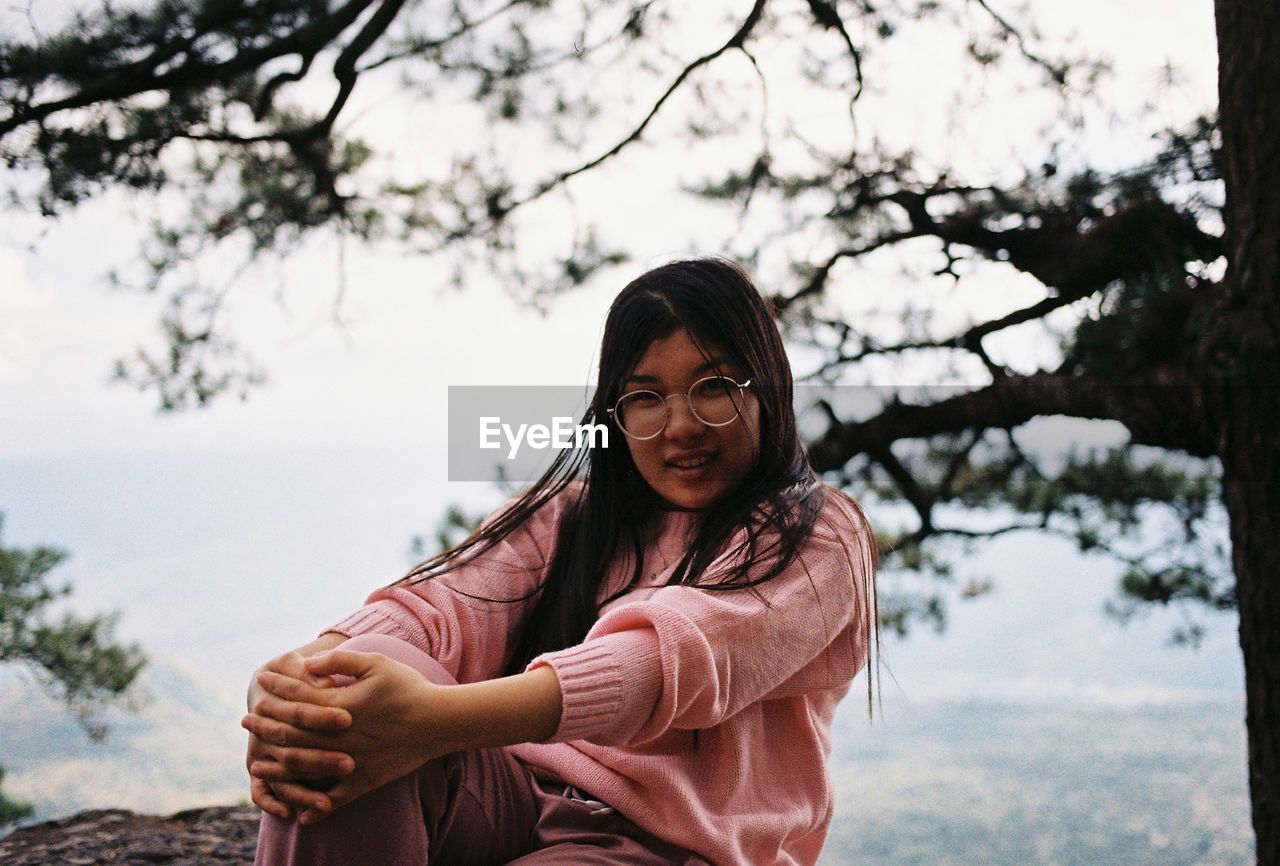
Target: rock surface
point(197, 837)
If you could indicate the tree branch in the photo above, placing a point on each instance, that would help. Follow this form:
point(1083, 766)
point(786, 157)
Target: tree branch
point(344, 68)
point(1064, 251)
point(969, 340)
point(921, 500)
point(135, 78)
point(425, 45)
point(828, 17)
point(818, 278)
point(1057, 72)
point(737, 40)
point(1141, 405)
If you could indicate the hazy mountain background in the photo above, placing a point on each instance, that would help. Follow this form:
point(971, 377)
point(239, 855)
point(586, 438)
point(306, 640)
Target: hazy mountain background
point(950, 783)
point(179, 750)
point(931, 782)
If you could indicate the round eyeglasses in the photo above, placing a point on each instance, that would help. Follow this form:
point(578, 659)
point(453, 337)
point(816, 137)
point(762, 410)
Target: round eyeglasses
point(715, 401)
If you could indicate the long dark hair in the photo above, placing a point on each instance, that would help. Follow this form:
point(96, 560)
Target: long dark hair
point(773, 508)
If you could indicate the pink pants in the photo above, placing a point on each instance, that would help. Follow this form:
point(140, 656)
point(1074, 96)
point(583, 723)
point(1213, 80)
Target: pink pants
point(469, 808)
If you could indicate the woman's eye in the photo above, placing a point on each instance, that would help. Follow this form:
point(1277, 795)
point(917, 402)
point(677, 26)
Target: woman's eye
point(712, 388)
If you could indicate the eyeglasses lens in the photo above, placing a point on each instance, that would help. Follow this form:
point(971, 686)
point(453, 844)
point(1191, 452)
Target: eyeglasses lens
point(642, 413)
point(714, 401)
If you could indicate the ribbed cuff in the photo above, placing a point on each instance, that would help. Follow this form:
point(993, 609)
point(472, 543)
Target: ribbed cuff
point(608, 685)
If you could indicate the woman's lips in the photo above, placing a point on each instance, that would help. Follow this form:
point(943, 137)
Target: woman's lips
point(692, 467)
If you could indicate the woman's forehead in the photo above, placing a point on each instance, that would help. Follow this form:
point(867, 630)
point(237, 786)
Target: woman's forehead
point(680, 356)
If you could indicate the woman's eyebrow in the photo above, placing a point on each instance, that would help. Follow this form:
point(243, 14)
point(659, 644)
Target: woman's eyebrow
point(705, 366)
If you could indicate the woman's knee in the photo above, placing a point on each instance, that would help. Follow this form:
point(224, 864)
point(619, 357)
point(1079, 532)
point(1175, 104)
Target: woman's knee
point(401, 651)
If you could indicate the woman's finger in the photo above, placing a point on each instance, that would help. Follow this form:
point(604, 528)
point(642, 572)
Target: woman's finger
point(290, 764)
point(287, 663)
point(258, 748)
point(338, 795)
point(301, 715)
point(293, 689)
point(340, 661)
point(263, 797)
point(281, 734)
point(293, 664)
point(301, 797)
point(274, 774)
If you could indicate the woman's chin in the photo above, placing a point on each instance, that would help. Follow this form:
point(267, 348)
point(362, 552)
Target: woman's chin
point(686, 497)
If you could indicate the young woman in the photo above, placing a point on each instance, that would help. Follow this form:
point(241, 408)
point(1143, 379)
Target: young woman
point(636, 661)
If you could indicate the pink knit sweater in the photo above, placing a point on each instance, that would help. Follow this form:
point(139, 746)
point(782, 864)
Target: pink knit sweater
point(760, 683)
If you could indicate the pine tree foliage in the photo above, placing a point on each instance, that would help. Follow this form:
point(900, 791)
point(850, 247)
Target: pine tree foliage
point(12, 811)
point(75, 658)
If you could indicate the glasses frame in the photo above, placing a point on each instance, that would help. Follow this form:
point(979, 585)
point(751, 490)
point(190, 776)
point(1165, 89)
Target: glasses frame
point(742, 395)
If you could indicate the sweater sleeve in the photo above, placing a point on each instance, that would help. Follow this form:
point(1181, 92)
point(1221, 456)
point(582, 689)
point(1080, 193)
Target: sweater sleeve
point(467, 619)
point(689, 658)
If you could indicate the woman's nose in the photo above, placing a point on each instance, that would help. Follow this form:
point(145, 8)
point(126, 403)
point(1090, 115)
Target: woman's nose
point(682, 422)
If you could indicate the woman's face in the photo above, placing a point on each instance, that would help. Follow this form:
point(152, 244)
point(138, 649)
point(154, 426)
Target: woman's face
point(691, 464)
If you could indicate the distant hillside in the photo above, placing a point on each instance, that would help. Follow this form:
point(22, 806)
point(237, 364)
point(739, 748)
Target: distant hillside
point(938, 783)
point(183, 749)
point(986, 784)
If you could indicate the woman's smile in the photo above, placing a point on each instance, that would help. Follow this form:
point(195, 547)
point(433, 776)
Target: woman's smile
point(691, 462)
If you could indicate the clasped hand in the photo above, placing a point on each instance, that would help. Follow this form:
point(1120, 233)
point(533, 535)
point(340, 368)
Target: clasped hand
point(307, 732)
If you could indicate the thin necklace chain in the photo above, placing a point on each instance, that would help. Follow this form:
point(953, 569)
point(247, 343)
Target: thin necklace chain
point(665, 566)
point(666, 563)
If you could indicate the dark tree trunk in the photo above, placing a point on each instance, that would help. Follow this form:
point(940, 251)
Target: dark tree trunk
point(1242, 364)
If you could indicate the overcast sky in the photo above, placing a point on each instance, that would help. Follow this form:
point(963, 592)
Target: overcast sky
point(233, 533)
